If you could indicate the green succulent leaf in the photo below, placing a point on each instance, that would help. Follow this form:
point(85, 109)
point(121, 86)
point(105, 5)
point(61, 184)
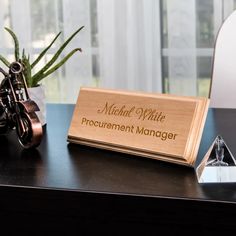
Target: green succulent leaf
point(16, 42)
point(59, 64)
point(27, 71)
point(23, 52)
point(4, 61)
point(44, 51)
point(38, 75)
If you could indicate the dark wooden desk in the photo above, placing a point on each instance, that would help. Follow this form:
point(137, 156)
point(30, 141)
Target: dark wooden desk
point(62, 186)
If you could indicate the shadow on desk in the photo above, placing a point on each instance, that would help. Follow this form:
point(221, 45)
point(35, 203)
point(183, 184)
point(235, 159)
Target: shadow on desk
point(113, 172)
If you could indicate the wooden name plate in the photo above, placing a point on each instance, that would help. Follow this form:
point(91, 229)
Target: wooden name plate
point(158, 126)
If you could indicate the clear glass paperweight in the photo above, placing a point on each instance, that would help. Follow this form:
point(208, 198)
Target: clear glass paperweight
point(218, 165)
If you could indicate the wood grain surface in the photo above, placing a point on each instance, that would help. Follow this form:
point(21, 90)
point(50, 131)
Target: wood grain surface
point(157, 126)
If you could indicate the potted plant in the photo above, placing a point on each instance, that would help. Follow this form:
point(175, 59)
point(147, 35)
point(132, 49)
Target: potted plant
point(33, 81)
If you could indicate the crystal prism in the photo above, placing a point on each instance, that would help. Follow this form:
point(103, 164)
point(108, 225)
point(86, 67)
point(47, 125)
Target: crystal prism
point(218, 165)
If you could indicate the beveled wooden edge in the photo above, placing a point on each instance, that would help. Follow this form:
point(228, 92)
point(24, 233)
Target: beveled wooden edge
point(144, 94)
point(197, 128)
point(128, 150)
point(135, 149)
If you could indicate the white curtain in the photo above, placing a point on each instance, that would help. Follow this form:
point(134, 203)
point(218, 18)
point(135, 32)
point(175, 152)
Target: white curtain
point(128, 42)
point(182, 47)
point(79, 68)
point(129, 39)
point(66, 16)
point(3, 22)
point(21, 22)
point(182, 51)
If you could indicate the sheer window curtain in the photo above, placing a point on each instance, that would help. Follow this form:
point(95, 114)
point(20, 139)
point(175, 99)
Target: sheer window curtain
point(186, 49)
point(36, 23)
point(79, 69)
point(182, 47)
point(125, 50)
point(129, 44)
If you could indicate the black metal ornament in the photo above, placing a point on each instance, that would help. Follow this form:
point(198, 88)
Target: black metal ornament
point(17, 110)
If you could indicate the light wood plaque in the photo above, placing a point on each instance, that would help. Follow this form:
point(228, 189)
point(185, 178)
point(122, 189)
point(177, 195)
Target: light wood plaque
point(158, 126)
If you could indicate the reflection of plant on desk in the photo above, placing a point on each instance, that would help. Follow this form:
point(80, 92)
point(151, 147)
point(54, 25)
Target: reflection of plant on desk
point(48, 68)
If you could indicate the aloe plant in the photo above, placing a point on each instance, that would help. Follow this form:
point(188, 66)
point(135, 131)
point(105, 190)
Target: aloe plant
point(49, 67)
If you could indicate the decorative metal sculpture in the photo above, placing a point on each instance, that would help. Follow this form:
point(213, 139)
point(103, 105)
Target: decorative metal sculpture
point(17, 110)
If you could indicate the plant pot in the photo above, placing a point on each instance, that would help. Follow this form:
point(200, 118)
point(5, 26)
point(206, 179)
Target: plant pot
point(37, 94)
